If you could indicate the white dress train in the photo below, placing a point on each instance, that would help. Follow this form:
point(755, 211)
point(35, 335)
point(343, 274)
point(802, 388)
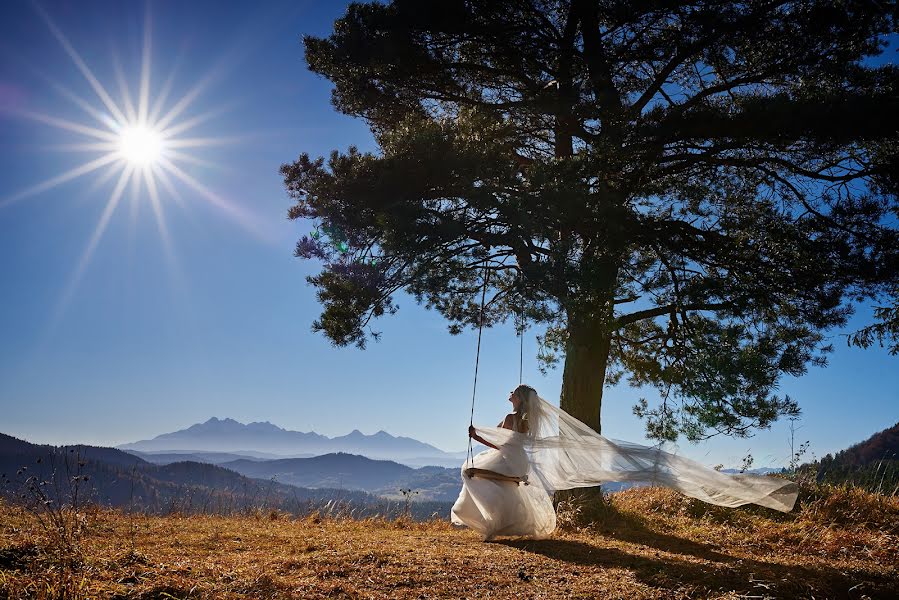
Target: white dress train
point(559, 452)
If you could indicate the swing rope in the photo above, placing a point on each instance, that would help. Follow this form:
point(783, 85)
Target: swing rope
point(470, 470)
point(477, 358)
point(520, 342)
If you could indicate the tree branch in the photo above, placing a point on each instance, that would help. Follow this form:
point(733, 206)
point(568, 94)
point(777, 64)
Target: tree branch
point(598, 66)
point(658, 311)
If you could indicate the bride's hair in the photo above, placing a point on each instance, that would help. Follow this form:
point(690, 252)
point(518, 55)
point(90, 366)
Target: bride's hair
point(524, 393)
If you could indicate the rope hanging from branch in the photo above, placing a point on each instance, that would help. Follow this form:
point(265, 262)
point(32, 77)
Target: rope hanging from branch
point(520, 327)
point(477, 358)
point(470, 470)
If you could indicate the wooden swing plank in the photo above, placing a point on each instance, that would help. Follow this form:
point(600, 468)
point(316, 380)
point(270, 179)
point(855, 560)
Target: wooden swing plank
point(488, 474)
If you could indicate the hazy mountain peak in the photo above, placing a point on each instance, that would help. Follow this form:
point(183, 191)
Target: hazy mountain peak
point(263, 426)
point(229, 436)
point(217, 421)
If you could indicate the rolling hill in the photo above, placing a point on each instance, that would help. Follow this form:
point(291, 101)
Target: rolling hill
point(116, 478)
point(348, 471)
point(872, 464)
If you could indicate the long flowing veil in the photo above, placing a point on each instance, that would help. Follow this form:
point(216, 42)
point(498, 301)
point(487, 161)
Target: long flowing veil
point(564, 453)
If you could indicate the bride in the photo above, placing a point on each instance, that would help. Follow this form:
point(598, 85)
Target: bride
point(538, 449)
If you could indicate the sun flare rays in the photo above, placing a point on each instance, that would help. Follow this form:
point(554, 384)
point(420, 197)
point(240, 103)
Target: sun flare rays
point(138, 140)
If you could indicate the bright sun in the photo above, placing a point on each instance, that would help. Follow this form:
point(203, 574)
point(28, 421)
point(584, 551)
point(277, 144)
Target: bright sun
point(139, 141)
point(140, 145)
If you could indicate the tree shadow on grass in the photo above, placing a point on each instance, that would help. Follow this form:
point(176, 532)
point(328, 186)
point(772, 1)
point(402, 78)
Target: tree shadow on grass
point(631, 529)
point(607, 520)
point(725, 574)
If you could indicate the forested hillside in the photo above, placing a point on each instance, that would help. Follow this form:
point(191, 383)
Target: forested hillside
point(872, 464)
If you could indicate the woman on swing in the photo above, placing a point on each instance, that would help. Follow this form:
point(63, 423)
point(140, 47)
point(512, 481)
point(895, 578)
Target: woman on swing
point(539, 448)
point(495, 498)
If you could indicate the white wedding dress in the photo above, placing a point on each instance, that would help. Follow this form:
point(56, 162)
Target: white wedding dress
point(493, 507)
point(559, 453)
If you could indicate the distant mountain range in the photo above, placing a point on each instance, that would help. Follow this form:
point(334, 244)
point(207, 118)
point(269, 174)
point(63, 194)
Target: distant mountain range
point(758, 471)
point(263, 439)
point(206, 477)
point(337, 471)
point(116, 478)
point(212, 458)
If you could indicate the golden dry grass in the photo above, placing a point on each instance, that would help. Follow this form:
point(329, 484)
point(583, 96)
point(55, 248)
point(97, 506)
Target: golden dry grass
point(644, 543)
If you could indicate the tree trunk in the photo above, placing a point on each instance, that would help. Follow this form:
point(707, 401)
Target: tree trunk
point(586, 359)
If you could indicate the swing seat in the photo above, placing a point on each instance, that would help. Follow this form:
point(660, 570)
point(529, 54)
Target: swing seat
point(488, 474)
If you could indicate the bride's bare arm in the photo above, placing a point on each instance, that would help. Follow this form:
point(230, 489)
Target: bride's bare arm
point(474, 435)
point(507, 423)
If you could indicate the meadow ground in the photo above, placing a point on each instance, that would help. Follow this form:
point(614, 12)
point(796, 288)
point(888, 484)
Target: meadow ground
point(642, 543)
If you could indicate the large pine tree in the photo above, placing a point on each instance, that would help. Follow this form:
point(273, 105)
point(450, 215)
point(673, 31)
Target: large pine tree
point(685, 193)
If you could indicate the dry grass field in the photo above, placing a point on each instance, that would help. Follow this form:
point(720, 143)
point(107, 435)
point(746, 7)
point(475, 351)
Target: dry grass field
point(641, 543)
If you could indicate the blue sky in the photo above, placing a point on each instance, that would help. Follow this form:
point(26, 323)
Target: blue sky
point(149, 336)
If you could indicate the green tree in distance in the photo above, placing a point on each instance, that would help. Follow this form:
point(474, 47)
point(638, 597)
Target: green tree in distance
point(685, 193)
